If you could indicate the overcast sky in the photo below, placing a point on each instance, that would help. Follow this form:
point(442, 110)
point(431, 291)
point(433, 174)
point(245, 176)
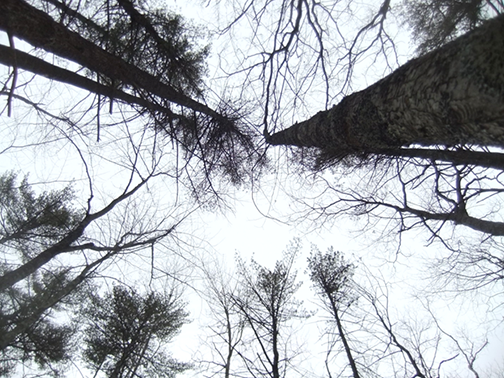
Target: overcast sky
point(258, 223)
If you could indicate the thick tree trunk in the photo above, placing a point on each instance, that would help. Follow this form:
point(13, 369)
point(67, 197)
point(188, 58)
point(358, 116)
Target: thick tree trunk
point(453, 95)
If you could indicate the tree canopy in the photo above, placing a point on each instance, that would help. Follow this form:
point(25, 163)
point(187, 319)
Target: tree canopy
point(127, 120)
point(125, 332)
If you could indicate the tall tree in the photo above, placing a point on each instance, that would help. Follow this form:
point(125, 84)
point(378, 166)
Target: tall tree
point(29, 223)
point(51, 245)
point(418, 344)
point(436, 22)
point(414, 344)
point(424, 135)
point(451, 96)
point(425, 128)
point(127, 331)
point(143, 58)
point(331, 276)
point(225, 322)
point(268, 304)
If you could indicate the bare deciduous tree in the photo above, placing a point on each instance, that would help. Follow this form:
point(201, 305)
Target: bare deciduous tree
point(267, 305)
point(226, 323)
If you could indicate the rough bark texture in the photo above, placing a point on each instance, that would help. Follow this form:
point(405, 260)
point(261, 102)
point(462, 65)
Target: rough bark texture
point(453, 95)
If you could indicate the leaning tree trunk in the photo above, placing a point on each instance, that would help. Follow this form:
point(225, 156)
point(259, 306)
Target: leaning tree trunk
point(451, 96)
point(22, 20)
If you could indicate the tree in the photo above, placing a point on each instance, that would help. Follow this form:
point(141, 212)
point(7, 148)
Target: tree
point(51, 246)
point(331, 276)
point(142, 58)
point(69, 242)
point(268, 304)
point(127, 331)
point(30, 334)
point(419, 150)
point(227, 322)
point(29, 223)
point(436, 22)
point(438, 99)
point(417, 344)
point(49, 261)
point(412, 344)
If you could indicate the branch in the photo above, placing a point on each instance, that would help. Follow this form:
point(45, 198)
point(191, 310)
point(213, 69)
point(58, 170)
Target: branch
point(65, 245)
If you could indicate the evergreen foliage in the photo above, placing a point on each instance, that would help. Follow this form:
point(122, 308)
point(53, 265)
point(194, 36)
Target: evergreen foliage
point(126, 332)
point(31, 222)
point(436, 22)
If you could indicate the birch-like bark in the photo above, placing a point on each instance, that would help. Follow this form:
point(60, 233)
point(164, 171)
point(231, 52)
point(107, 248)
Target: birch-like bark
point(451, 96)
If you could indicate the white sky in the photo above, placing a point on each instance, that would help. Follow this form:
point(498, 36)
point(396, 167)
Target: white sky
point(248, 231)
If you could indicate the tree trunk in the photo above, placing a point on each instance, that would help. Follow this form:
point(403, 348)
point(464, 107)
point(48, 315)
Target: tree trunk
point(20, 59)
point(453, 95)
point(344, 340)
point(66, 244)
point(40, 30)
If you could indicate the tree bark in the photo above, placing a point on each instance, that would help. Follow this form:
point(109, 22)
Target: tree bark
point(451, 96)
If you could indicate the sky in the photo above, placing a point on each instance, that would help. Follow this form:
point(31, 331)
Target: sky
point(257, 224)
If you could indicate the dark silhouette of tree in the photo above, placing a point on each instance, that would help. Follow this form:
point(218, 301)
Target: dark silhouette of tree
point(226, 323)
point(143, 58)
point(331, 277)
point(417, 347)
point(30, 222)
point(436, 22)
point(51, 245)
point(428, 127)
point(30, 334)
point(126, 332)
point(267, 304)
point(73, 241)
